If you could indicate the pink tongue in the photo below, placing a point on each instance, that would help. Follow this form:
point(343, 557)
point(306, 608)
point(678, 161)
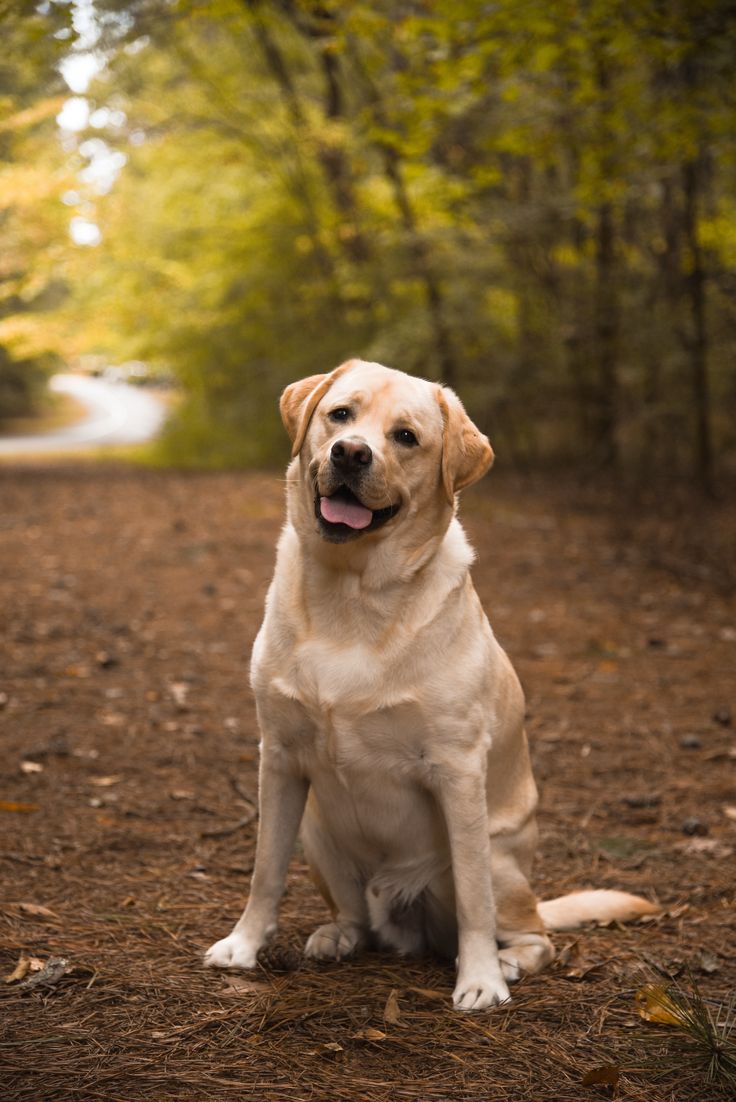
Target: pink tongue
point(338, 511)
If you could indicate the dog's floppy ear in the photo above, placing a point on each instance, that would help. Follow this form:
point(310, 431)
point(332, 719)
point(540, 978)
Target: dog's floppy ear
point(466, 452)
point(299, 401)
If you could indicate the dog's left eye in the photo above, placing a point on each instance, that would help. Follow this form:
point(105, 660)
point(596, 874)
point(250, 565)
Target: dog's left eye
point(406, 437)
point(342, 413)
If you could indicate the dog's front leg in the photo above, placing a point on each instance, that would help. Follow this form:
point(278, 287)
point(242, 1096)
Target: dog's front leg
point(282, 796)
point(480, 981)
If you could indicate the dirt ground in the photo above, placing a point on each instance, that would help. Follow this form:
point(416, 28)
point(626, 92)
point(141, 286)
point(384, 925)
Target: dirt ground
point(129, 600)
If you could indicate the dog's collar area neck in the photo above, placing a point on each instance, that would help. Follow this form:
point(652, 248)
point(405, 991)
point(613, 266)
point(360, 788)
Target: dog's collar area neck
point(342, 516)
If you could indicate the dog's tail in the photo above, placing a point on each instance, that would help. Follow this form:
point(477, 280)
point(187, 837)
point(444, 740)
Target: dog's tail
point(602, 905)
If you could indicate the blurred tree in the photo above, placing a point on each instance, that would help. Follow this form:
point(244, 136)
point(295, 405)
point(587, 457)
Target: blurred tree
point(35, 38)
point(533, 203)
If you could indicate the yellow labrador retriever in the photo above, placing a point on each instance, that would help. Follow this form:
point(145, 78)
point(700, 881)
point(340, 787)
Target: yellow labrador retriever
point(391, 719)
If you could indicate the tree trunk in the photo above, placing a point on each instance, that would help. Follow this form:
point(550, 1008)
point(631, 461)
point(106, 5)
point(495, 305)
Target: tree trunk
point(697, 344)
point(420, 251)
point(606, 338)
point(279, 70)
point(318, 25)
point(335, 164)
point(605, 303)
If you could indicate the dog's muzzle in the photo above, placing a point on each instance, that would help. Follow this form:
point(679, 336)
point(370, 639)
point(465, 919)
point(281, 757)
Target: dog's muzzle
point(342, 515)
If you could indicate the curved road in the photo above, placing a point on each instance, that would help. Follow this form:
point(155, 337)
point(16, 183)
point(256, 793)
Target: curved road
point(116, 414)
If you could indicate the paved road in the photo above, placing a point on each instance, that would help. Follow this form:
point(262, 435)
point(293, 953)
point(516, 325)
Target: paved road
point(116, 414)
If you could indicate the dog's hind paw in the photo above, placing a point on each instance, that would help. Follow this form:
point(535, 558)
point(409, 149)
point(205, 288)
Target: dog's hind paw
point(233, 951)
point(529, 954)
point(333, 941)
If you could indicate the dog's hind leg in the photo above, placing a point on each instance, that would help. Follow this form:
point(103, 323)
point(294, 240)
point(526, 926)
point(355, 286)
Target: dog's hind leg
point(340, 884)
point(523, 944)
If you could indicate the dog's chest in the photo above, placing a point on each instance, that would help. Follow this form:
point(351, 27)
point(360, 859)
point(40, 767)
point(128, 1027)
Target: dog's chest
point(354, 679)
point(360, 712)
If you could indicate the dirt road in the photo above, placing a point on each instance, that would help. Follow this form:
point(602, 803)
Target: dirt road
point(116, 414)
point(129, 601)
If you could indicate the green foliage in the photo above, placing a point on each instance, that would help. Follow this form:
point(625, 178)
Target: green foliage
point(35, 38)
point(530, 202)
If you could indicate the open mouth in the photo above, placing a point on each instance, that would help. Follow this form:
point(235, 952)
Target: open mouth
point(343, 516)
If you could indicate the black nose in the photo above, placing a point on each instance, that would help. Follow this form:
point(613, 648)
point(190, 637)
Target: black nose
point(351, 454)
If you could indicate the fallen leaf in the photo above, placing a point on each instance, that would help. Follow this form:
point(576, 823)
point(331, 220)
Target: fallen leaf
point(179, 691)
point(20, 971)
point(391, 1011)
point(368, 1034)
point(705, 847)
point(575, 962)
point(242, 985)
point(77, 671)
point(11, 805)
point(112, 719)
point(30, 767)
point(428, 993)
point(329, 1048)
point(655, 1005)
point(181, 794)
point(106, 782)
point(607, 1076)
point(53, 970)
point(34, 910)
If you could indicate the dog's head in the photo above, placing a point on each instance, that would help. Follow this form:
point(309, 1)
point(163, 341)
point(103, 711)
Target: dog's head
point(375, 449)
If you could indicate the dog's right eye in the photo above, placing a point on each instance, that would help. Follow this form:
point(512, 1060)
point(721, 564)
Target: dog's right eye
point(342, 413)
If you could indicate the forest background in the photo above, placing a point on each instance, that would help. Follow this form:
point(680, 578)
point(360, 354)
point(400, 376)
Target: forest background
point(533, 202)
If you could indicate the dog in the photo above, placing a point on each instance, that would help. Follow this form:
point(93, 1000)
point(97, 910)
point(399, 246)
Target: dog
point(392, 721)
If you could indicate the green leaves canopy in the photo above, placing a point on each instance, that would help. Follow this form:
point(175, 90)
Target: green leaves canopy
point(530, 201)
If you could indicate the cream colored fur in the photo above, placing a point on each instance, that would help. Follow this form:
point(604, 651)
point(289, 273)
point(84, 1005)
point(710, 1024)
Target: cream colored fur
point(391, 718)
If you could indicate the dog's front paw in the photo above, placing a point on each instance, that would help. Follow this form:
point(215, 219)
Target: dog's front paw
point(333, 942)
point(233, 951)
point(479, 990)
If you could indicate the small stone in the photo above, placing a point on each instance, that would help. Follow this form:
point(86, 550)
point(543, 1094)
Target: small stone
point(105, 661)
point(723, 716)
point(707, 962)
point(691, 742)
point(693, 826)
